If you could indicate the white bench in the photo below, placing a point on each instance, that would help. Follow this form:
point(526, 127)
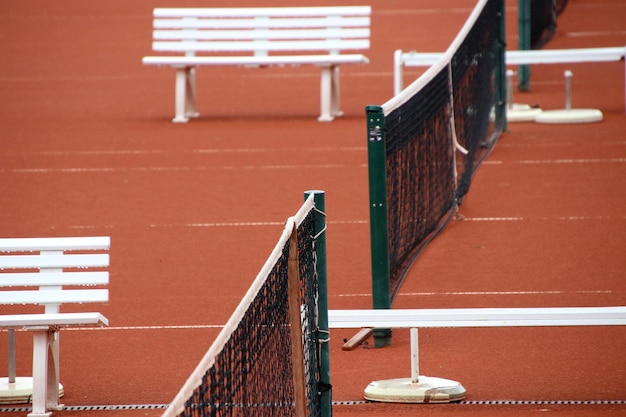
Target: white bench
point(543, 56)
point(36, 271)
point(247, 37)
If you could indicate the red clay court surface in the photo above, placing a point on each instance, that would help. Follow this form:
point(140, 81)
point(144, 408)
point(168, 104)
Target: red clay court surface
point(194, 210)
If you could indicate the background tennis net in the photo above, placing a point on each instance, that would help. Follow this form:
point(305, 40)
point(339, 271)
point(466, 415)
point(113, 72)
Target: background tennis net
point(254, 368)
point(543, 14)
point(536, 26)
point(426, 143)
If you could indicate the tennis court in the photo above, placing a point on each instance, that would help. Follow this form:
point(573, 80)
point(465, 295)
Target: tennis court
point(194, 210)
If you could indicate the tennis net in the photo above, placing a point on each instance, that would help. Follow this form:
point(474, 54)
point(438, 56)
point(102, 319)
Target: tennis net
point(266, 359)
point(543, 14)
point(426, 143)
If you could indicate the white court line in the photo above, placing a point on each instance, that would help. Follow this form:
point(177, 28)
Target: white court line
point(184, 151)
point(343, 222)
point(248, 224)
point(181, 327)
point(481, 293)
point(175, 327)
point(216, 224)
point(594, 34)
point(172, 169)
point(276, 167)
point(572, 161)
point(559, 161)
point(561, 218)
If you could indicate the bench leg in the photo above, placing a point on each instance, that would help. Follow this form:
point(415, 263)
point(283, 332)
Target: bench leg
point(191, 94)
point(329, 100)
point(45, 374)
point(185, 101)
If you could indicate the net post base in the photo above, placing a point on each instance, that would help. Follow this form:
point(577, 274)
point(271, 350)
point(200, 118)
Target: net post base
point(403, 390)
point(382, 338)
point(20, 391)
point(566, 116)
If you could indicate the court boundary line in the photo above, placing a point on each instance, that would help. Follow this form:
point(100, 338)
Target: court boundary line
point(72, 170)
point(461, 218)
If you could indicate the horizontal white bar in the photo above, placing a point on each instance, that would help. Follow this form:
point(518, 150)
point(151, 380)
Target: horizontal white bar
point(263, 11)
point(54, 296)
point(57, 319)
point(251, 46)
point(54, 243)
point(478, 317)
point(544, 56)
point(250, 23)
point(322, 60)
point(557, 56)
point(27, 279)
point(55, 261)
point(261, 35)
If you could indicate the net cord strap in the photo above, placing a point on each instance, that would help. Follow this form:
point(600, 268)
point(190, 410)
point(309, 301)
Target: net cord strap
point(177, 405)
point(445, 59)
point(457, 145)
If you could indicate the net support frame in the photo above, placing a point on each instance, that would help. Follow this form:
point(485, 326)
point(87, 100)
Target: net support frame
point(378, 217)
point(501, 87)
point(322, 300)
point(523, 42)
point(418, 389)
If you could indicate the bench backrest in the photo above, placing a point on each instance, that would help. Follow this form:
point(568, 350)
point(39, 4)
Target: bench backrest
point(261, 30)
point(50, 264)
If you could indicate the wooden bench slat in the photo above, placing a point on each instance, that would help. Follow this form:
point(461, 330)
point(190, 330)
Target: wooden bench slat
point(248, 35)
point(262, 11)
point(251, 46)
point(25, 279)
point(58, 319)
point(248, 23)
point(55, 261)
point(55, 243)
point(54, 296)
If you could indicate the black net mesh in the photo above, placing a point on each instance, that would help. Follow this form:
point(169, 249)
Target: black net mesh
point(420, 173)
point(426, 177)
point(474, 91)
point(253, 373)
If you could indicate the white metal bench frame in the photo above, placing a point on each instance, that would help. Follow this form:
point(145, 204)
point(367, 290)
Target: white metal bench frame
point(543, 56)
point(49, 264)
point(297, 36)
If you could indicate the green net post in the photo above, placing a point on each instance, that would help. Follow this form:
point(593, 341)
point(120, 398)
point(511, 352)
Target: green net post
point(501, 70)
point(523, 31)
point(322, 301)
point(377, 167)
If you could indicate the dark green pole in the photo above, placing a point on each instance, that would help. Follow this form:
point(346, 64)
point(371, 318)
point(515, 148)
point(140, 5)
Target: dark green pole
point(377, 166)
point(523, 31)
point(501, 92)
point(322, 301)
